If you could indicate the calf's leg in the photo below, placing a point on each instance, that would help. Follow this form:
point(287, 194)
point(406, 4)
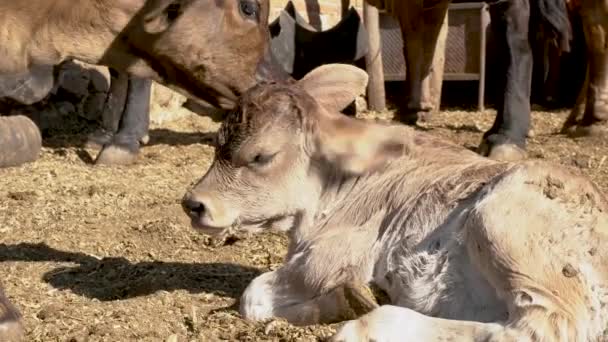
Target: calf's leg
point(536, 235)
point(506, 140)
point(326, 282)
point(123, 148)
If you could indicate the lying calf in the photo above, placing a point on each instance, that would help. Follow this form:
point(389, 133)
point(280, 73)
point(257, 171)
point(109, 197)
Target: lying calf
point(467, 248)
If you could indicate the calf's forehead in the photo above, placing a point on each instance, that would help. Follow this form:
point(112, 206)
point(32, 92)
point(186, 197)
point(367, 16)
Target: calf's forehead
point(263, 111)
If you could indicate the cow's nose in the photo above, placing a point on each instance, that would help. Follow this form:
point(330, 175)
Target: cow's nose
point(193, 207)
point(269, 70)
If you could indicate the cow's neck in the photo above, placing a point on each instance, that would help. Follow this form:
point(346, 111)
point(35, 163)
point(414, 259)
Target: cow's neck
point(49, 32)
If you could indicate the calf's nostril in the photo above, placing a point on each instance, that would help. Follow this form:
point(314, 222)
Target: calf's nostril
point(193, 206)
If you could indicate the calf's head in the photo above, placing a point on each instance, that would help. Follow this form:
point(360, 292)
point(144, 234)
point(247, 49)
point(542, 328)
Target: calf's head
point(211, 49)
point(279, 149)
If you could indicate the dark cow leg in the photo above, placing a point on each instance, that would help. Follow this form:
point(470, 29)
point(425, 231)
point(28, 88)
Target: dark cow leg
point(421, 29)
point(20, 140)
point(594, 95)
point(11, 329)
point(506, 140)
point(134, 124)
point(113, 110)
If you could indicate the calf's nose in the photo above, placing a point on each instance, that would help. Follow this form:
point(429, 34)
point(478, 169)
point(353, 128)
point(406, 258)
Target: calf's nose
point(193, 207)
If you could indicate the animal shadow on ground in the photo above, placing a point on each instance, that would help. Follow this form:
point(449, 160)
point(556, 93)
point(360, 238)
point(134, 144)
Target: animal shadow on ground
point(116, 278)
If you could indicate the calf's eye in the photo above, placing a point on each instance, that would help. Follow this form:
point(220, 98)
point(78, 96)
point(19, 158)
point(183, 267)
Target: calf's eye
point(262, 159)
point(249, 9)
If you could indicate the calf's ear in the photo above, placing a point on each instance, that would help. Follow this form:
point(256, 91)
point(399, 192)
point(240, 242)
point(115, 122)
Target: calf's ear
point(335, 86)
point(355, 146)
point(161, 14)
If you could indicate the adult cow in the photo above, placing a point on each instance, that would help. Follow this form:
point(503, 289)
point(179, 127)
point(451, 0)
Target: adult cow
point(420, 24)
point(467, 248)
point(210, 50)
point(590, 113)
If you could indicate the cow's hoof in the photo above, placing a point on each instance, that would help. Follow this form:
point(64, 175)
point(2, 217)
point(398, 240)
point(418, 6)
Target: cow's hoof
point(411, 117)
point(502, 152)
point(593, 130)
point(117, 155)
point(11, 331)
point(144, 140)
point(99, 139)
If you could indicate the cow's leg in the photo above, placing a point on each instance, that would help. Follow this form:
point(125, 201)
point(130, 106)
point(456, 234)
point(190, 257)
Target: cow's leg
point(576, 114)
point(595, 23)
point(112, 111)
point(135, 120)
point(506, 140)
point(11, 329)
point(560, 296)
point(412, 30)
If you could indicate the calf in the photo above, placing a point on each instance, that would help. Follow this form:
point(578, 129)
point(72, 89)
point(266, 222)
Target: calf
point(212, 50)
point(467, 248)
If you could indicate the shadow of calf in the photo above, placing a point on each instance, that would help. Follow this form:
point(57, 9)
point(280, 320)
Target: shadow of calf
point(116, 278)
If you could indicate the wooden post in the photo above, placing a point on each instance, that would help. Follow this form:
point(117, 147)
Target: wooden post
point(436, 75)
point(373, 60)
point(313, 9)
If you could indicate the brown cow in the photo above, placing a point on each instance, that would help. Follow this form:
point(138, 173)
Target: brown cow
point(465, 247)
point(205, 48)
point(590, 113)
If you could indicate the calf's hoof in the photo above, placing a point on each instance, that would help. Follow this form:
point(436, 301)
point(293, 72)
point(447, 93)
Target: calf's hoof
point(117, 155)
point(597, 129)
point(502, 152)
point(11, 331)
point(99, 139)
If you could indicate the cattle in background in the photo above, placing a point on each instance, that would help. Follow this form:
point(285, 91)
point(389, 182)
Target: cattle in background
point(590, 113)
point(420, 25)
point(206, 49)
point(299, 48)
point(465, 247)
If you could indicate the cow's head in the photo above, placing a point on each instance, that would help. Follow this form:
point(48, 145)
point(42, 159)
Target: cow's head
point(212, 49)
point(278, 151)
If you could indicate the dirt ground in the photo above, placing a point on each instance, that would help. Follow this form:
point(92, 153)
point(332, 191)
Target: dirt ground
point(106, 254)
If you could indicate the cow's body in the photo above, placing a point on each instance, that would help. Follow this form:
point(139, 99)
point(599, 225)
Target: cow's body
point(467, 248)
point(589, 115)
point(421, 23)
point(209, 50)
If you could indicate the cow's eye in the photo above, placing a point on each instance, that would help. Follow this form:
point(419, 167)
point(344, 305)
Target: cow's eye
point(250, 9)
point(261, 159)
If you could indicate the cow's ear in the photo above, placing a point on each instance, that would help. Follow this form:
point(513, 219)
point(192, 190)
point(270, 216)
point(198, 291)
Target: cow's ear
point(161, 15)
point(352, 145)
point(335, 86)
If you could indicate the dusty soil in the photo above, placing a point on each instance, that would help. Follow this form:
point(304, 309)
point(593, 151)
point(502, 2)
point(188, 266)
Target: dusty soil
point(105, 253)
